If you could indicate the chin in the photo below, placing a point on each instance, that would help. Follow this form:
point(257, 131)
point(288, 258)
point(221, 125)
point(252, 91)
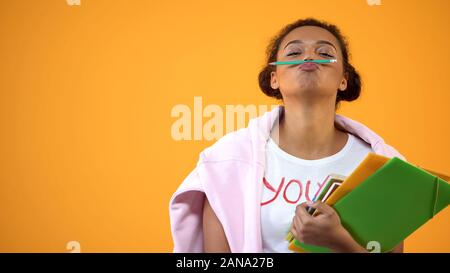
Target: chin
point(308, 93)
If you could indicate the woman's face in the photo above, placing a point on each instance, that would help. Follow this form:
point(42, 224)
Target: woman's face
point(312, 81)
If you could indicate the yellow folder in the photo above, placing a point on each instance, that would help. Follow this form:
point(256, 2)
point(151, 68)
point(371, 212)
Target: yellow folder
point(371, 163)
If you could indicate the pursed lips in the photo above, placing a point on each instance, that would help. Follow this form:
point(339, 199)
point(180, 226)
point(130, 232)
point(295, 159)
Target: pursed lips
point(308, 66)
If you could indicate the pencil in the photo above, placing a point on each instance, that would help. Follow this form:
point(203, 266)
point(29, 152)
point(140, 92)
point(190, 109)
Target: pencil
point(301, 62)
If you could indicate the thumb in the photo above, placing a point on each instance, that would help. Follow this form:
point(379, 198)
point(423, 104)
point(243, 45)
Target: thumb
point(322, 207)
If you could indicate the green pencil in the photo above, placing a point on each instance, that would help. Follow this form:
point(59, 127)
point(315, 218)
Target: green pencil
point(301, 62)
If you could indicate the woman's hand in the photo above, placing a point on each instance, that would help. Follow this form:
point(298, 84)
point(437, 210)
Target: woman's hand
point(323, 230)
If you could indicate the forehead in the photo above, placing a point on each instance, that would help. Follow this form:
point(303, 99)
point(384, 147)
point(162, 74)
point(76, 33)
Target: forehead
point(309, 34)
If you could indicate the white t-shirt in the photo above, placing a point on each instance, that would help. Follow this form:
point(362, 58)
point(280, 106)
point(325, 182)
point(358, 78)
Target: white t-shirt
point(289, 181)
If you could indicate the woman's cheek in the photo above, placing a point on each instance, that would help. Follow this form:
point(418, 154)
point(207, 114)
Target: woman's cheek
point(288, 78)
point(332, 79)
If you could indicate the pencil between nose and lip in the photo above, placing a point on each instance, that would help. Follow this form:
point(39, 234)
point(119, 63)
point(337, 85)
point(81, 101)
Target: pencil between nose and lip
point(304, 61)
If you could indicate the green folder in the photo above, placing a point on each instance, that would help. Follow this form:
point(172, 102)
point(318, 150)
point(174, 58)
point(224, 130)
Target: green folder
point(390, 205)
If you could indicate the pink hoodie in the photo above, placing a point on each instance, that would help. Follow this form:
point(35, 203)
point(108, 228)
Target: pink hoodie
point(230, 174)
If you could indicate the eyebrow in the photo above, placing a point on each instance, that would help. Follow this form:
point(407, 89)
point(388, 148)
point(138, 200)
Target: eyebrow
point(318, 42)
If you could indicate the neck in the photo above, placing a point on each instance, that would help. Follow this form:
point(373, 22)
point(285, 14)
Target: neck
point(307, 130)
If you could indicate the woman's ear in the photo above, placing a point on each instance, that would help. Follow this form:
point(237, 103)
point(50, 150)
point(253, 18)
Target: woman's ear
point(273, 80)
point(343, 84)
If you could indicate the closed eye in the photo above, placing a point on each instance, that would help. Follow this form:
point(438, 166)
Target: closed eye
point(293, 53)
point(326, 55)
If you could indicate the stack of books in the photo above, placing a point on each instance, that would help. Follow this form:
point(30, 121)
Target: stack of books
point(382, 200)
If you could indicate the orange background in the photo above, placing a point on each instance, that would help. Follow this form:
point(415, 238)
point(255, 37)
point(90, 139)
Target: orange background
point(86, 152)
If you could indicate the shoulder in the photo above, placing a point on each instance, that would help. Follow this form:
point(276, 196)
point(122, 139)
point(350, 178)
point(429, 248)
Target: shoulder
point(364, 133)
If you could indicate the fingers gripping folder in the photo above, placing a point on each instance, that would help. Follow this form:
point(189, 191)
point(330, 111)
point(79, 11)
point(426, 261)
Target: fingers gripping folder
point(385, 200)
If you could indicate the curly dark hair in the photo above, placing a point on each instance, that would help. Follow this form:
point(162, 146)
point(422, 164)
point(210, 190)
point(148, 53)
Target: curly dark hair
point(353, 82)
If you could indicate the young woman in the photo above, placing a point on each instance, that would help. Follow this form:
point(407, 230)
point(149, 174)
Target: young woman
point(253, 186)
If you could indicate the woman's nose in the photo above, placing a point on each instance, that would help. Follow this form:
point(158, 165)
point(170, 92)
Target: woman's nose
point(310, 54)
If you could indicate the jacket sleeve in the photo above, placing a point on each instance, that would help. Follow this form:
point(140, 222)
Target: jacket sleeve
point(186, 215)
